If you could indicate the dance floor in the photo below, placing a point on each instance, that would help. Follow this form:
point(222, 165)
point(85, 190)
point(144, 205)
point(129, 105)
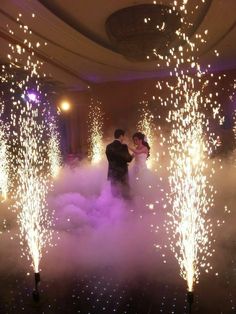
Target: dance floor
point(101, 293)
point(105, 260)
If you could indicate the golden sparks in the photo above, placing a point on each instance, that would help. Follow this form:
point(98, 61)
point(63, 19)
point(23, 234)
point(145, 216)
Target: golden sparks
point(190, 146)
point(190, 192)
point(30, 156)
point(95, 129)
point(32, 186)
point(54, 150)
point(4, 163)
point(147, 127)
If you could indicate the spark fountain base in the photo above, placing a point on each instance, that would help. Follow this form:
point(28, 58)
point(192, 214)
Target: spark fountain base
point(190, 299)
point(35, 293)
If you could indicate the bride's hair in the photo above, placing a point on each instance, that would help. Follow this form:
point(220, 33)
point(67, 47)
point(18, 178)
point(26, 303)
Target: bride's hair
point(141, 136)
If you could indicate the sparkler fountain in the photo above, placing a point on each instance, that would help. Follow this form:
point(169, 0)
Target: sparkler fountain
point(147, 127)
point(95, 125)
point(4, 162)
point(33, 184)
point(191, 194)
point(30, 133)
point(54, 150)
point(4, 154)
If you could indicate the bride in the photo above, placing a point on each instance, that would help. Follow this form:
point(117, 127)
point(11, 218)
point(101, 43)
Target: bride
point(144, 182)
point(139, 172)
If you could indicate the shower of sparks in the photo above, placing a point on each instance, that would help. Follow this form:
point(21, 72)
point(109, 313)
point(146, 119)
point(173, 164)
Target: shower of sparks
point(190, 145)
point(2, 104)
point(30, 160)
point(4, 154)
point(191, 194)
point(95, 129)
point(54, 150)
point(33, 184)
point(147, 127)
point(4, 163)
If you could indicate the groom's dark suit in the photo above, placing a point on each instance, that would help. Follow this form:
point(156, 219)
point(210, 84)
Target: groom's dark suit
point(118, 156)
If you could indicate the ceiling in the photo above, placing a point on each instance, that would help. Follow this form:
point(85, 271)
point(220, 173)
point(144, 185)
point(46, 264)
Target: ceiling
point(79, 52)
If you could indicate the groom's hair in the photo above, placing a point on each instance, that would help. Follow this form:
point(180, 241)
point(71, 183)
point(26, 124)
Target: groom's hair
point(118, 133)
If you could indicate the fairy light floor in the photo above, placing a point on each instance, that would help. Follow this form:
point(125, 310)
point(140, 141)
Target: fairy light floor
point(100, 292)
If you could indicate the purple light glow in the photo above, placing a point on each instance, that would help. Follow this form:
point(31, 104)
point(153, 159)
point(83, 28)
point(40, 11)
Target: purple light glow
point(32, 97)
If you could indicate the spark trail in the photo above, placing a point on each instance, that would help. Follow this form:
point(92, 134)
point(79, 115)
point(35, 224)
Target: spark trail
point(54, 150)
point(29, 159)
point(95, 129)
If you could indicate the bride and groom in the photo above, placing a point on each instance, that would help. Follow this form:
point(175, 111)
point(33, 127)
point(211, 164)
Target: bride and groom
point(118, 156)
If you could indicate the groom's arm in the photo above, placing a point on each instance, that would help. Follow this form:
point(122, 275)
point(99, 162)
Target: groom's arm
point(125, 153)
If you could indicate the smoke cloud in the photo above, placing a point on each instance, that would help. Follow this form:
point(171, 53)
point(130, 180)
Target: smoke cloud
point(96, 231)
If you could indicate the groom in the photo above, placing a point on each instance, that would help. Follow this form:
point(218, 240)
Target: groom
point(118, 157)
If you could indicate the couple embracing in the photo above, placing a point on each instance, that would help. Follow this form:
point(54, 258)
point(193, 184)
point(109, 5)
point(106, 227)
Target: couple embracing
point(118, 156)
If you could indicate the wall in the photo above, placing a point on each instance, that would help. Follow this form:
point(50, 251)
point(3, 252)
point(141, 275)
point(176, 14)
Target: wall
point(120, 103)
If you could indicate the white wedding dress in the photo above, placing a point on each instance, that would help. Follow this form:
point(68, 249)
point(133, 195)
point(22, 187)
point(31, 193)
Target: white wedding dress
point(139, 175)
point(144, 184)
point(140, 165)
